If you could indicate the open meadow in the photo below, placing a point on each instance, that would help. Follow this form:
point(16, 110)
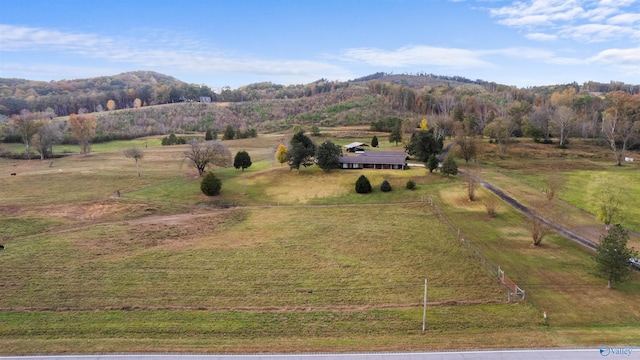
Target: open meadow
point(99, 260)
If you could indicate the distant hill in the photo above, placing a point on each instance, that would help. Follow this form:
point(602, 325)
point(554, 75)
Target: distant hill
point(64, 97)
point(420, 80)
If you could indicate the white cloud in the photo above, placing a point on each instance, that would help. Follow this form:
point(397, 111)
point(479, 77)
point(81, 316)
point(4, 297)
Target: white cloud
point(580, 20)
point(541, 36)
point(537, 12)
point(16, 38)
point(618, 56)
point(152, 53)
point(624, 19)
point(624, 62)
point(415, 55)
point(599, 32)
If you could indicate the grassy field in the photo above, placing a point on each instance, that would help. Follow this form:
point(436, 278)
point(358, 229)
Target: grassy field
point(280, 261)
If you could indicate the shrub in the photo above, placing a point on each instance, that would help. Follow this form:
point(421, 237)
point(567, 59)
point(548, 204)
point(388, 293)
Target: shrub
point(411, 185)
point(363, 186)
point(210, 184)
point(385, 186)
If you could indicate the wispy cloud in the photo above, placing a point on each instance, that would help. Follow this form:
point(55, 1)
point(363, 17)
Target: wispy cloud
point(415, 55)
point(538, 12)
point(625, 56)
point(160, 50)
point(541, 36)
point(599, 32)
point(579, 20)
point(625, 19)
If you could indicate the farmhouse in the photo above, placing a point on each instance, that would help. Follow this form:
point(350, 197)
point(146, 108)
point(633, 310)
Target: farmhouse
point(396, 160)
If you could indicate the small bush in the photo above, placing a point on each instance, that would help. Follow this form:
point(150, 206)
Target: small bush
point(385, 186)
point(210, 184)
point(363, 186)
point(411, 185)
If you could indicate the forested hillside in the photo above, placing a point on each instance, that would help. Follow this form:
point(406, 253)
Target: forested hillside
point(145, 103)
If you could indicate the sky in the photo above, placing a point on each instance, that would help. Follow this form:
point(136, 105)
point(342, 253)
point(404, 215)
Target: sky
point(232, 43)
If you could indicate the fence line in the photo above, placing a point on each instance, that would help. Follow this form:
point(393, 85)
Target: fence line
point(515, 293)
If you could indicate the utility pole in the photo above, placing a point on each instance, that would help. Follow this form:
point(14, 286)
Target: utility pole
point(424, 312)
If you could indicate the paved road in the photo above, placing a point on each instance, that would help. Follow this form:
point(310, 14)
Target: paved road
point(555, 354)
point(513, 202)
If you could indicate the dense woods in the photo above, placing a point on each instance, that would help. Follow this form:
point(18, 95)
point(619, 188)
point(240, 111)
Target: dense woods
point(140, 103)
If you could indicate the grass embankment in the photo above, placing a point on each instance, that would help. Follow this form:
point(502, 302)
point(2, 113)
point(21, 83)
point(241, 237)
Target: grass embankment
point(304, 265)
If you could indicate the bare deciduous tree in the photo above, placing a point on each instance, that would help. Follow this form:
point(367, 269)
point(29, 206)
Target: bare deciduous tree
point(562, 120)
point(537, 225)
point(554, 183)
point(608, 198)
point(467, 146)
point(491, 204)
point(619, 124)
point(501, 129)
point(206, 153)
point(136, 154)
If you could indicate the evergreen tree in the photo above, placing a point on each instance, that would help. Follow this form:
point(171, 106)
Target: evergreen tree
point(363, 186)
point(396, 134)
point(612, 255)
point(210, 184)
point(449, 166)
point(229, 133)
point(242, 160)
point(385, 186)
point(432, 162)
point(374, 141)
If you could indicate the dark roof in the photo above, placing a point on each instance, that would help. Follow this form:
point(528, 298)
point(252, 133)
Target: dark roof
point(376, 157)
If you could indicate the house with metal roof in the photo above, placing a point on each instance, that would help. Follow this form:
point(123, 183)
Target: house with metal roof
point(396, 160)
point(356, 147)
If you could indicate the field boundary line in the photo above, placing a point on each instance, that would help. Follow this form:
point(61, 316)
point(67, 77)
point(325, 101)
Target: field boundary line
point(514, 291)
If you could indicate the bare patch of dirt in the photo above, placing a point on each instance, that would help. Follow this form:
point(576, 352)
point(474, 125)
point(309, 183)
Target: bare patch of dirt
point(162, 232)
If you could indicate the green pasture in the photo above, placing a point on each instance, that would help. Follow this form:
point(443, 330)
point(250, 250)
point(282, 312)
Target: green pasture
point(325, 256)
point(523, 174)
point(230, 331)
point(287, 262)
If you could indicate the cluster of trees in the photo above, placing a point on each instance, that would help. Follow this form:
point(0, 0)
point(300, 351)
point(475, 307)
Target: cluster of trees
point(455, 108)
point(172, 139)
point(136, 89)
point(64, 97)
point(302, 151)
point(553, 118)
point(38, 133)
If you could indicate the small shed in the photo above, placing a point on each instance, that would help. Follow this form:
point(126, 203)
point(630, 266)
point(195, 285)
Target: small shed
point(396, 160)
point(355, 147)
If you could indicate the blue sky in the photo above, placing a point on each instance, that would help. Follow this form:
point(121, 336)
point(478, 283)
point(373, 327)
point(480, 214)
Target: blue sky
point(237, 42)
